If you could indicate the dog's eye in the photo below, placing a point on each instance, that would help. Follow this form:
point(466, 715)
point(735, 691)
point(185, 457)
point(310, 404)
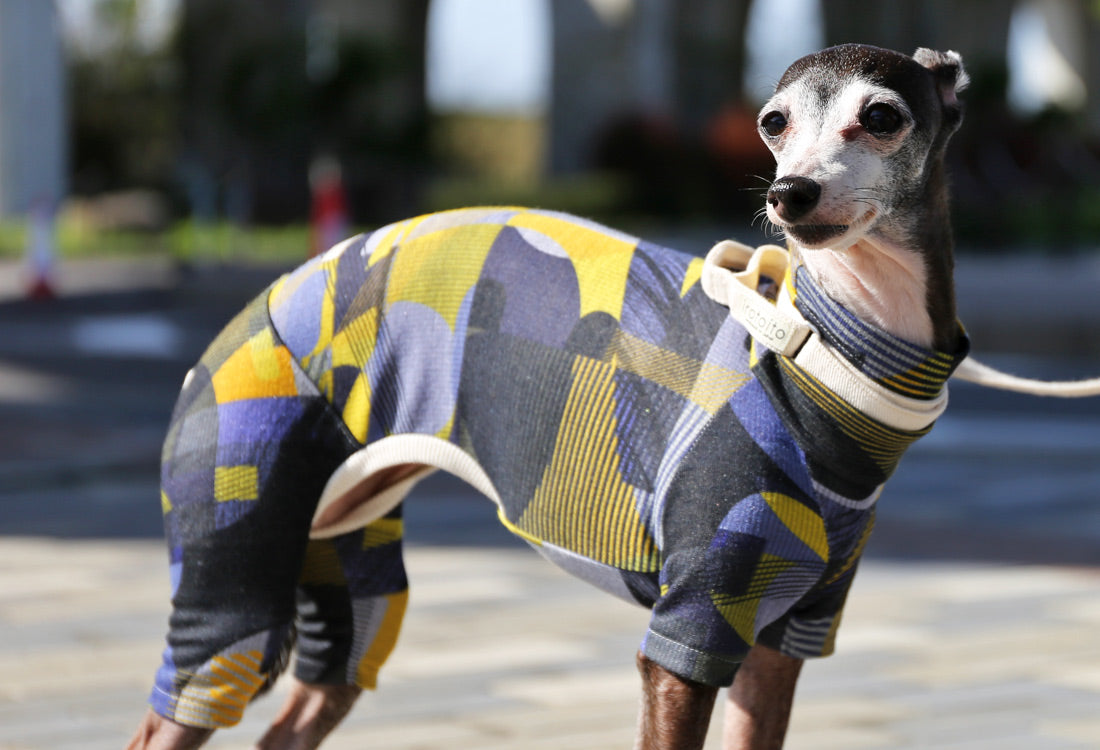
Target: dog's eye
point(881, 119)
point(773, 123)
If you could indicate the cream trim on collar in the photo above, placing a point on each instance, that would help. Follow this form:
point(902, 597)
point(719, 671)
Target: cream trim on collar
point(731, 274)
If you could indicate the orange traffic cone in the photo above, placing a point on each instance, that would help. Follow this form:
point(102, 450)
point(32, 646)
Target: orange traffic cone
point(40, 252)
point(329, 213)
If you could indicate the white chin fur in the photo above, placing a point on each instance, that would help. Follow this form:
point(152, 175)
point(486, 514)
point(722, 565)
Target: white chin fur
point(818, 236)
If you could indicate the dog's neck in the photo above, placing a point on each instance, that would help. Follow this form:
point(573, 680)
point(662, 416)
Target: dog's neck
point(887, 283)
point(880, 283)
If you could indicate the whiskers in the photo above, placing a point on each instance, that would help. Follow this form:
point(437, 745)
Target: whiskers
point(871, 200)
point(770, 228)
point(870, 197)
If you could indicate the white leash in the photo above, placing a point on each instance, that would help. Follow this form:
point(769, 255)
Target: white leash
point(973, 371)
point(731, 274)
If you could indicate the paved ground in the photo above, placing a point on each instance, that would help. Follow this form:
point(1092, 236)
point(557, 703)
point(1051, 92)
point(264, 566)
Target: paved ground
point(932, 655)
point(972, 624)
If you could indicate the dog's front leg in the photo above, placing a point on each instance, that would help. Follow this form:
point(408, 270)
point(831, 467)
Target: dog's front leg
point(760, 699)
point(675, 712)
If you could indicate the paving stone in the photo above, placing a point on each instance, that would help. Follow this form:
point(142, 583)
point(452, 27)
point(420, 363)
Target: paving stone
point(1081, 730)
point(501, 650)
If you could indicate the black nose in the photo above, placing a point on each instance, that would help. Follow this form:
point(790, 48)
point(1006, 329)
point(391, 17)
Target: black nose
point(793, 197)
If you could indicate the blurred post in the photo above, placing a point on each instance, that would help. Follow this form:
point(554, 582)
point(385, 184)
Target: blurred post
point(32, 107)
point(32, 129)
point(329, 213)
point(40, 251)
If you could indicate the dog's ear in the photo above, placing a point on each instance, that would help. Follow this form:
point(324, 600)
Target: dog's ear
point(947, 67)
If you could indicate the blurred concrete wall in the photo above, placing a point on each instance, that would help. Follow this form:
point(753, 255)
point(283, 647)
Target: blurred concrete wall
point(33, 124)
point(656, 58)
point(686, 57)
point(597, 75)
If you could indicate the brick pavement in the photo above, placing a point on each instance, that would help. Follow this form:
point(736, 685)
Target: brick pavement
point(501, 650)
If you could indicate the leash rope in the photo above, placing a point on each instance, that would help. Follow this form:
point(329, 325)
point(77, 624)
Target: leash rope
point(731, 275)
point(974, 371)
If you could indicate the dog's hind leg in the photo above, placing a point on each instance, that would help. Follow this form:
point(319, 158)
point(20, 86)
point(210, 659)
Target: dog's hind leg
point(158, 733)
point(351, 600)
point(251, 444)
point(308, 715)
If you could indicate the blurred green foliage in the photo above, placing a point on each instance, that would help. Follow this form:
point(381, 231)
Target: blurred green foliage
point(187, 241)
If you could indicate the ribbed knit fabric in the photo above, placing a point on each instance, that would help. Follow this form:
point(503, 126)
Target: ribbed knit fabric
point(588, 385)
point(900, 366)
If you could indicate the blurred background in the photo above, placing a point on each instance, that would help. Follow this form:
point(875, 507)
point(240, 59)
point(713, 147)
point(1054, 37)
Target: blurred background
point(162, 160)
point(159, 116)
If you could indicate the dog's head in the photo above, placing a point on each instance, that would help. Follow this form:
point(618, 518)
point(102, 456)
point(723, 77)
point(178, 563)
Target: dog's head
point(856, 132)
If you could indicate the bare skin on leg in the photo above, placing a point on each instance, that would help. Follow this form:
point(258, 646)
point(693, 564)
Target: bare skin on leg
point(308, 715)
point(759, 701)
point(157, 733)
point(676, 713)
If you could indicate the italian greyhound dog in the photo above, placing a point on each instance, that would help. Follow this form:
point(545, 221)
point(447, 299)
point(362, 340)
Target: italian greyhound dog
point(705, 437)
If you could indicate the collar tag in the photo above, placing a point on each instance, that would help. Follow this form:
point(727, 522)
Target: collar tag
point(731, 275)
point(780, 333)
